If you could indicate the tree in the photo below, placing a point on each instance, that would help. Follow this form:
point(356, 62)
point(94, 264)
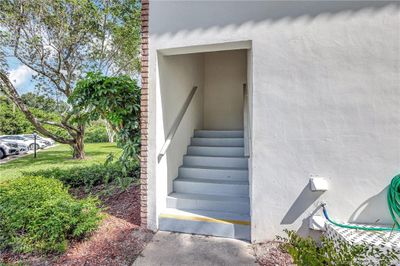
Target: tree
point(61, 40)
point(13, 121)
point(110, 131)
point(44, 103)
point(117, 100)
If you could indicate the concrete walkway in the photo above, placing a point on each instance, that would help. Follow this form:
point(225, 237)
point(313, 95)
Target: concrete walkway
point(177, 249)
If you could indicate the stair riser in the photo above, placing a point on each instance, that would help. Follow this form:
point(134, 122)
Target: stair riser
point(211, 188)
point(214, 162)
point(215, 151)
point(241, 207)
point(217, 134)
point(215, 142)
point(224, 174)
point(205, 228)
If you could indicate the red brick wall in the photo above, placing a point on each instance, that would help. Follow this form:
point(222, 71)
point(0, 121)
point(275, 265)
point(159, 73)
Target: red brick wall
point(144, 111)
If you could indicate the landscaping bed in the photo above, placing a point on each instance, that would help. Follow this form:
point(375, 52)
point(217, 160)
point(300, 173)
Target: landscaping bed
point(294, 249)
point(118, 240)
point(62, 190)
point(271, 254)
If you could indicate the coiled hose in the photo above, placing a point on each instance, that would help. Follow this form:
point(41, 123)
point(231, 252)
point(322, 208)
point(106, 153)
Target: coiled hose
point(393, 199)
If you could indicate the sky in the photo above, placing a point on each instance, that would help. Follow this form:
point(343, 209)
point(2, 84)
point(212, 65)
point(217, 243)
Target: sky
point(21, 76)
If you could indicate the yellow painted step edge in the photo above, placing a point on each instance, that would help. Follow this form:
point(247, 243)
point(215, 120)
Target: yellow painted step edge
point(203, 219)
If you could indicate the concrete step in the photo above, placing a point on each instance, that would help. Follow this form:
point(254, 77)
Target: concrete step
point(216, 151)
point(213, 161)
point(213, 173)
point(211, 187)
point(218, 142)
point(186, 201)
point(218, 133)
point(223, 224)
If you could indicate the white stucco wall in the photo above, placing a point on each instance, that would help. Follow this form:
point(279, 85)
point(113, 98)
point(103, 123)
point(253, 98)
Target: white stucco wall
point(325, 101)
point(224, 75)
point(177, 76)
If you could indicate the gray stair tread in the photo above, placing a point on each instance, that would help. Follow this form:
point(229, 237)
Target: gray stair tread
point(217, 147)
point(220, 138)
point(217, 151)
point(214, 167)
point(218, 133)
point(217, 156)
point(192, 196)
point(205, 214)
point(205, 146)
point(213, 181)
point(211, 192)
point(219, 130)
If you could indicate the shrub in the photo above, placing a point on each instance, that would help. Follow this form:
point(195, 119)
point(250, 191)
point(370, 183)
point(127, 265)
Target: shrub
point(38, 215)
point(96, 133)
point(306, 252)
point(89, 176)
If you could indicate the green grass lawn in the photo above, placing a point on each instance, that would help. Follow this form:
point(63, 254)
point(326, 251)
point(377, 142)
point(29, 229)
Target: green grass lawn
point(58, 156)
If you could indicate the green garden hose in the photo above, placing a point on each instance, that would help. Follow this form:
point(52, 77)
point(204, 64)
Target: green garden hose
point(393, 199)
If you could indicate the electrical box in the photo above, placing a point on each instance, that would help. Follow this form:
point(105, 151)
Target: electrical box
point(317, 223)
point(319, 184)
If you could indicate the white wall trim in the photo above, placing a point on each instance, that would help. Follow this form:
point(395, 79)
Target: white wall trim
point(224, 46)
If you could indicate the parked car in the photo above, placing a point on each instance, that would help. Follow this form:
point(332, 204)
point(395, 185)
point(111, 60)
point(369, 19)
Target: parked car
point(47, 141)
point(23, 148)
point(8, 148)
point(23, 141)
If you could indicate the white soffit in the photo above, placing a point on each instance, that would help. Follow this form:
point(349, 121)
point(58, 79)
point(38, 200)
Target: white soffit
point(206, 48)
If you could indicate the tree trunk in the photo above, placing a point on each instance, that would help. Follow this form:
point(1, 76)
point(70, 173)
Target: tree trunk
point(111, 138)
point(11, 93)
point(79, 146)
point(110, 131)
point(76, 134)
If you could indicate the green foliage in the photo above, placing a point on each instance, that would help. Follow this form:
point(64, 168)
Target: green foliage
point(89, 176)
point(117, 100)
point(38, 215)
point(125, 32)
point(307, 252)
point(44, 103)
point(64, 39)
point(61, 41)
point(96, 133)
point(13, 121)
point(3, 60)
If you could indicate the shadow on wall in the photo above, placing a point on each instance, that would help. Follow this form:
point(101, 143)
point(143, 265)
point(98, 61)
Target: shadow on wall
point(304, 229)
point(301, 204)
point(305, 200)
point(177, 76)
point(238, 13)
point(373, 211)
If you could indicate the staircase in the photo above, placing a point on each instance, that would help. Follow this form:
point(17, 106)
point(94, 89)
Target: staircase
point(211, 192)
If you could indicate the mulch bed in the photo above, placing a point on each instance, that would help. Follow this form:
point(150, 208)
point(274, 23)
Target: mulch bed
point(269, 254)
point(118, 241)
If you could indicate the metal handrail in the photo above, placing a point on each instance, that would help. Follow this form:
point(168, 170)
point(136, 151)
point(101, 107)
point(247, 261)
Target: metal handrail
point(246, 118)
point(177, 121)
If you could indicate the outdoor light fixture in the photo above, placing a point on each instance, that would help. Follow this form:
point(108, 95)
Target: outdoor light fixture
point(34, 144)
point(319, 184)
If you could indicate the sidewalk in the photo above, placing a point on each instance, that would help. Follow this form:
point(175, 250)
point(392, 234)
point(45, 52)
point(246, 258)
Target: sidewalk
point(177, 249)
